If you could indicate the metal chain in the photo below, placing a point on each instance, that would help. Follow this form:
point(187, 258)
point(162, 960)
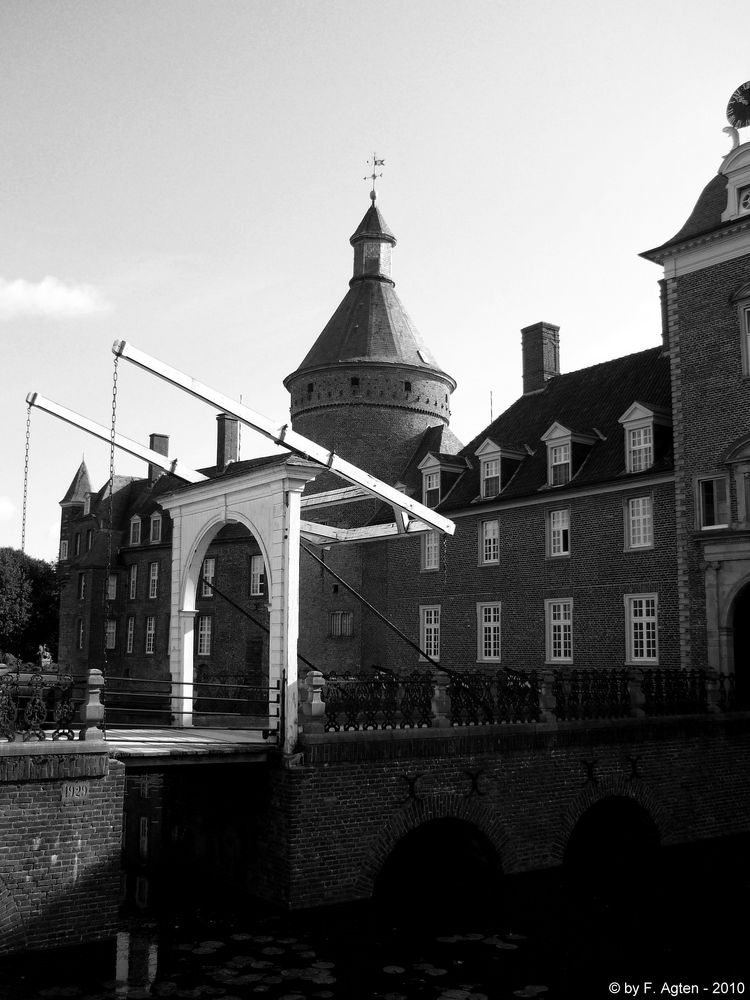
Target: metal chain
point(113, 424)
point(25, 478)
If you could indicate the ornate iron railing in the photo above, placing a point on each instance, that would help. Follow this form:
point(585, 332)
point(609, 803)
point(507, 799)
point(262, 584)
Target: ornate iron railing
point(384, 700)
point(674, 692)
point(35, 706)
point(377, 701)
point(592, 694)
point(478, 698)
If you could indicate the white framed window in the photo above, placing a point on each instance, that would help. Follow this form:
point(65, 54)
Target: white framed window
point(713, 502)
point(135, 531)
point(558, 532)
point(81, 633)
point(488, 632)
point(431, 489)
point(205, 630)
point(110, 633)
point(489, 542)
point(77, 544)
point(133, 581)
point(155, 529)
point(257, 576)
point(153, 580)
point(640, 448)
point(341, 624)
point(429, 630)
point(150, 634)
point(112, 587)
point(558, 614)
point(81, 586)
point(208, 573)
point(89, 538)
point(639, 526)
point(430, 545)
point(559, 464)
point(87, 505)
point(64, 548)
point(490, 477)
point(642, 628)
point(129, 634)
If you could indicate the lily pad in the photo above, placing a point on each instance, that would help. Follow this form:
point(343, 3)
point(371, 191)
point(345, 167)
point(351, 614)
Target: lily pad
point(394, 970)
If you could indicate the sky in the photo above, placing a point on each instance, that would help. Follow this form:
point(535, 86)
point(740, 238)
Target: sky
point(185, 176)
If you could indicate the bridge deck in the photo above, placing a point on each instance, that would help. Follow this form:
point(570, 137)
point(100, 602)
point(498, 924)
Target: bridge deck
point(161, 747)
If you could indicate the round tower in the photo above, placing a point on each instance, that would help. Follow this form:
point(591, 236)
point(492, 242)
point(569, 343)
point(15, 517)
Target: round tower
point(369, 386)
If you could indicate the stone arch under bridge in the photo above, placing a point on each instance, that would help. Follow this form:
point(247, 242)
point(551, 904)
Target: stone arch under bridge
point(266, 500)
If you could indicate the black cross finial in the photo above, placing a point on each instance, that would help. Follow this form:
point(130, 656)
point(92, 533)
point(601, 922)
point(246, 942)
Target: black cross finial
point(374, 175)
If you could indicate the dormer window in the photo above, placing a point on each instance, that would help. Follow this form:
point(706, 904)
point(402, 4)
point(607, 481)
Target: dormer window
point(155, 527)
point(135, 531)
point(559, 465)
point(497, 466)
point(643, 425)
point(431, 489)
point(566, 452)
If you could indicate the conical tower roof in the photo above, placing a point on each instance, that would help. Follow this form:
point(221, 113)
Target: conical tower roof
point(370, 324)
point(79, 487)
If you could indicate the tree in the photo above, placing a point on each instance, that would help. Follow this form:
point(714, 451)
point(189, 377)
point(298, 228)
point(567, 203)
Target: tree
point(29, 596)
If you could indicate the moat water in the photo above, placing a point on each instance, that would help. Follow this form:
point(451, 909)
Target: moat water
point(443, 926)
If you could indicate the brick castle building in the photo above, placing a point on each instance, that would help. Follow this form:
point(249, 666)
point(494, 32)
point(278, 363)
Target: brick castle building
point(602, 520)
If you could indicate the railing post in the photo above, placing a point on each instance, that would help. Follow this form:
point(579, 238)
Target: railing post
point(635, 690)
point(313, 707)
point(441, 703)
point(713, 691)
point(547, 699)
point(92, 710)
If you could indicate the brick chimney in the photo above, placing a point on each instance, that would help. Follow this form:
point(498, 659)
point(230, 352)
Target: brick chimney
point(159, 443)
point(227, 440)
point(541, 355)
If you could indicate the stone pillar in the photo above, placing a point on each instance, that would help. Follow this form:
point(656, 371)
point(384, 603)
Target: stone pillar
point(92, 710)
point(547, 700)
point(313, 707)
point(181, 670)
point(441, 703)
point(635, 689)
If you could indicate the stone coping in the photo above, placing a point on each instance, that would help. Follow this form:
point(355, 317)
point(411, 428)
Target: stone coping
point(46, 747)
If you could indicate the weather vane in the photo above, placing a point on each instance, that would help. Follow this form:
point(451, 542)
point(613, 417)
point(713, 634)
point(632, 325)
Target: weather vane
point(374, 175)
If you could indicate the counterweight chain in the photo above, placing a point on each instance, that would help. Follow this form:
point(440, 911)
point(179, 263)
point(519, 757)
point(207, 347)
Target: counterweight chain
point(25, 478)
point(108, 572)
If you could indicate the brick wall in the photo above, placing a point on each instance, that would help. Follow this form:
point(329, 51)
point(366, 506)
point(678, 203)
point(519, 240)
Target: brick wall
point(61, 828)
point(344, 810)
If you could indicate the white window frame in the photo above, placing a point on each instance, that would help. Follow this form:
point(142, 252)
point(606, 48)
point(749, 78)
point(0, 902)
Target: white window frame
point(153, 580)
point(205, 634)
point(133, 581)
point(135, 531)
point(87, 505)
point(489, 632)
point(701, 507)
point(429, 630)
point(558, 620)
point(155, 529)
point(558, 533)
point(490, 477)
point(81, 586)
point(112, 587)
point(431, 488)
point(641, 629)
point(81, 633)
point(489, 542)
point(150, 633)
point(640, 447)
point(639, 523)
point(559, 457)
point(430, 551)
point(341, 624)
point(208, 575)
point(64, 549)
point(257, 575)
point(77, 544)
point(129, 634)
point(110, 633)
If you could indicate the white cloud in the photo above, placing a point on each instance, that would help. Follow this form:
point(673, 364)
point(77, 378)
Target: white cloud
point(49, 297)
point(7, 509)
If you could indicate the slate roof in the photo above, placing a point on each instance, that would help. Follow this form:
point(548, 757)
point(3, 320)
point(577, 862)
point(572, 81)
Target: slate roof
point(369, 325)
point(588, 401)
point(372, 225)
point(79, 487)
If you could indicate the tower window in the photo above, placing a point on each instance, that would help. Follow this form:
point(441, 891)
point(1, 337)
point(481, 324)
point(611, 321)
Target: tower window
point(310, 386)
point(354, 382)
point(407, 386)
